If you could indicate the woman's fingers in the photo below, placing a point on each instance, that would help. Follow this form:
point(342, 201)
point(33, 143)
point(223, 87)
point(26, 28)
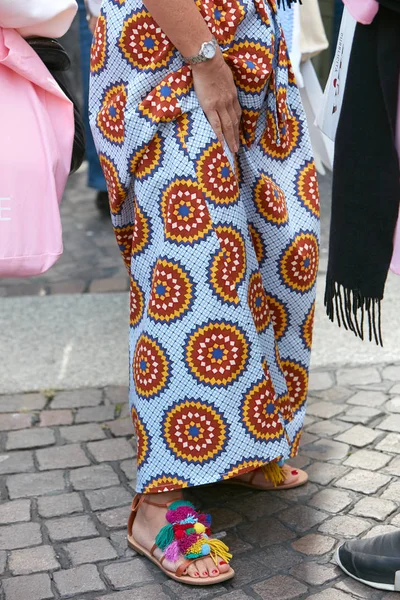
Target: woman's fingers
point(236, 117)
point(229, 130)
point(215, 123)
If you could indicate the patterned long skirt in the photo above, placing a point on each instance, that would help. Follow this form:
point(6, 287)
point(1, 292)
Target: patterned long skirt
point(222, 250)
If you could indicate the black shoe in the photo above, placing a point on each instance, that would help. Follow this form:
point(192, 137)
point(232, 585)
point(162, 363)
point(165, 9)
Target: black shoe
point(373, 561)
point(102, 203)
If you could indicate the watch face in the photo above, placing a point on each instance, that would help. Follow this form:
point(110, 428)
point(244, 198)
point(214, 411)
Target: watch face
point(209, 50)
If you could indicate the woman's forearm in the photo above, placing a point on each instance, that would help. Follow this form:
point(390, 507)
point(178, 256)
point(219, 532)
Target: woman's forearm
point(182, 23)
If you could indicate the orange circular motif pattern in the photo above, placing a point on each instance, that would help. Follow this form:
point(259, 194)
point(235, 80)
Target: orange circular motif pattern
point(143, 43)
point(279, 316)
point(141, 235)
point(307, 188)
point(98, 51)
point(271, 201)
point(257, 300)
point(257, 243)
point(244, 467)
point(299, 263)
point(165, 483)
point(307, 328)
point(252, 64)
point(216, 177)
point(171, 294)
point(151, 367)
point(280, 148)
point(222, 18)
point(194, 431)
point(142, 439)
point(116, 192)
point(228, 265)
point(217, 353)
point(110, 119)
point(260, 415)
point(296, 377)
point(136, 303)
point(185, 213)
point(145, 161)
point(124, 240)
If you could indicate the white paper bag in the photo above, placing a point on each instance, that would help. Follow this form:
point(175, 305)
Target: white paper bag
point(328, 117)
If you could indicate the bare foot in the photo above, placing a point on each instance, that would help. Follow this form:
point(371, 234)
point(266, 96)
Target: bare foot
point(150, 519)
point(260, 479)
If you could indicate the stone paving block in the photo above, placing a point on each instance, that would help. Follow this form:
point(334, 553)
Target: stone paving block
point(90, 551)
point(62, 504)
point(314, 544)
point(355, 588)
point(367, 459)
point(108, 498)
point(186, 592)
point(380, 530)
point(68, 528)
point(115, 518)
point(77, 398)
point(22, 403)
point(368, 399)
point(236, 595)
point(358, 376)
point(395, 389)
point(361, 415)
point(49, 418)
point(315, 574)
point(391, 443)
point(79, 580)
point(224, 518)
point(91, 478)
point(391, 423)
point(374, 508)
point(126, 574)
point(396, 521)
point(16, 462)
point(95, 415)
point(116, 394)
point(326, 449)
point(360, 480)
point(302, 518)
point(281, 587)
point(15, 421)
point(327, 428)
point(330, 594)
point(15, 511)
point(325, 410)
point(146, 592)
point(335, 394)
point(246, 571)
point(32, 438)
point(110, 450)
point(358, 436)
point(265, 532)
point(392, 492)
point(332, 501)
point(120, 427)
point(21, 535)
point(35, 484)
point(33, 560)
point(82, 433)
point(320, 381)
point(344, 526)
point(393, 468)
point(391, 373)
point(62, 457)
point(393, 405)
point(129, 468)
point(118, 539)
point(324, 473)
point(3, 561)
point(34, 587)
point(277, 559)
point(254, 507)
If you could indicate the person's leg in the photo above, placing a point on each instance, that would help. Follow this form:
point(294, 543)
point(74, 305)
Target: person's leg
point(95, 174)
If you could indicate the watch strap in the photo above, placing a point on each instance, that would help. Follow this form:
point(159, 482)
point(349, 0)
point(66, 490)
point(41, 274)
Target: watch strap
point(200, 57)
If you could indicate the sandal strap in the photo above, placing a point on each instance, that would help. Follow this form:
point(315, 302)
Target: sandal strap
point(137, 502)
point(182, 568)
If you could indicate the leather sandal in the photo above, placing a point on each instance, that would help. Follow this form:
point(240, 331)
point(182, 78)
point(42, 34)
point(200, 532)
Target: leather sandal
point(275, 476)
point(187, 534)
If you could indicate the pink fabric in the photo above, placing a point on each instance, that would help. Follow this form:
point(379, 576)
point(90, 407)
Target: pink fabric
point(37, 131)
point(363, 11)
point(48, 18)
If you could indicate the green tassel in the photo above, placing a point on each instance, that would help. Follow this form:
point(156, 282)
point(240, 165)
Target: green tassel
point(165, 536)
point(179, 503)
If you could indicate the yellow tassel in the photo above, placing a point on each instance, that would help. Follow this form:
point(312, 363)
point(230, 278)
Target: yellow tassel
point(274, 473)
point(219, 550)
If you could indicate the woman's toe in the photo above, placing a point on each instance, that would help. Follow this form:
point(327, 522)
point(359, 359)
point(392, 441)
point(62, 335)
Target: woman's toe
point(223, 566)
point(202, 568)
point(213, 570)
point(193, 571)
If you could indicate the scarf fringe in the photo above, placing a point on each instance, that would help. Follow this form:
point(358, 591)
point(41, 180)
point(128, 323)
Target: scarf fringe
point(287, 3)
point(350, 307)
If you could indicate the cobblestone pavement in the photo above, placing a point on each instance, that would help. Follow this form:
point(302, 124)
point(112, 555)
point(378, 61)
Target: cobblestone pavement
point(67, 478)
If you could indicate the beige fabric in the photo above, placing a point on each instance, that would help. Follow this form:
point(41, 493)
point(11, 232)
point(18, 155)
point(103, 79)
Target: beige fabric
point(48, 18)
point(312, 33)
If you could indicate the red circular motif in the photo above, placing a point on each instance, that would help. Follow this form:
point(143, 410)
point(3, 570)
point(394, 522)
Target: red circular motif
point(271, 201)
point(257, 300)
point(151, 368)
point(141, 232)
point(251, 63)
point(147, 159)
point(296, 377)
point(257, 243)
point(260, 415)
point(285, 407)
point(185, 213)
point(98, 52)
point(307, 328)
point(279, 315)
point(289, 131)
point(142, 439)
point(110, 119)
point(299, 263)
point(216, 177)
point(163, 102)
point(228, 266)
point(124, 241)
point(136, 303)
point(222, 18)
point(144, 44)
point(307, 188)
point(116, 192)
point(217, 353)
point(171, 292)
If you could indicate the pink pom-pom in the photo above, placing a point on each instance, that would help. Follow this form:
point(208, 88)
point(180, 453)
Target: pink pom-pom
point(172, 552)
point(205, 519)
point(187, 541)
point(179, 514)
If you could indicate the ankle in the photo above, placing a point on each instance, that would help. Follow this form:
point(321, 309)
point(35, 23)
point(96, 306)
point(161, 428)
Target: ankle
point(163, 497)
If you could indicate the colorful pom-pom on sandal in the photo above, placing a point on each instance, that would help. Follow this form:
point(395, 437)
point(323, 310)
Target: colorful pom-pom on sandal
point(276, 478)
point(187, 535)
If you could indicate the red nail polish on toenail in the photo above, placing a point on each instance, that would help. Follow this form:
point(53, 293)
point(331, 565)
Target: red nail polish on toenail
point(294, 472)
point(215, 572)
point(205, 573)
point(223, 562)
point(196, 574)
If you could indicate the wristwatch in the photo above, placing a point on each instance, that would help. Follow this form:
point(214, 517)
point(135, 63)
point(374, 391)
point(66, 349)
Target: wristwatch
point(207, 52)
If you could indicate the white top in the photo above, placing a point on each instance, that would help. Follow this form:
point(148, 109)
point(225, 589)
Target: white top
point(47, 18)
point(94, 6)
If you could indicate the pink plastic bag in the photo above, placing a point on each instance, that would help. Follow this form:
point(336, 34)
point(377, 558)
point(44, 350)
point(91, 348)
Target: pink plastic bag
point(36, 132)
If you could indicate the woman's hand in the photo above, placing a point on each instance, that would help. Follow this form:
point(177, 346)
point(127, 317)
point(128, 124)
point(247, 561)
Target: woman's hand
point(217, 94)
